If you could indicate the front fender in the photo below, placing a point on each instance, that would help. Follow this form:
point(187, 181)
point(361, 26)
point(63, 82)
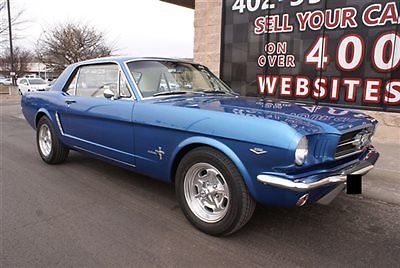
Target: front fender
point(216, 144)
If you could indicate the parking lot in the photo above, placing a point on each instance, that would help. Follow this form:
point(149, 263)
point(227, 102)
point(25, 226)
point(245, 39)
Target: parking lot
point(89, 213)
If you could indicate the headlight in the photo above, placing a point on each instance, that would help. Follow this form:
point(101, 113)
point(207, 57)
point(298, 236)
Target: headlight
point(301, 152)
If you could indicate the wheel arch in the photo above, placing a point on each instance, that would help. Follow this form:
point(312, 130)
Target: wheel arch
point(39, 114)
point(194, 142)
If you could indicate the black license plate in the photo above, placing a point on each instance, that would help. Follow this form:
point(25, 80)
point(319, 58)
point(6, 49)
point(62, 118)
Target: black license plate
point(354, 184)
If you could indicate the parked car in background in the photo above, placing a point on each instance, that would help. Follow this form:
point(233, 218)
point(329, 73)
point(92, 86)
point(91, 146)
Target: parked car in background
point(32, 76)
point(177, 122)
point(31, 84)
point(6, 82)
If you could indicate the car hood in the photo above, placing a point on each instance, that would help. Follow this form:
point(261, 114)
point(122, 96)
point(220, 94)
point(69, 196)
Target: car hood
point(306, 118)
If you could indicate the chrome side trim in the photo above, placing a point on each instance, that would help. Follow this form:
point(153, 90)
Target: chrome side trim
point(59, 124)
point(99, 145)
point(300, 186)
point(103, 156)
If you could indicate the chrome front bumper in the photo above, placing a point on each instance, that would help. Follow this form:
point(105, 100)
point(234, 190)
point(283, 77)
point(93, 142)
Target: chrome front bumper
point(300, 186)
point(361, 168)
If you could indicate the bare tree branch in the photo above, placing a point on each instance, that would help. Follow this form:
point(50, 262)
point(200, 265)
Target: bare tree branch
point(16, 22)
point(70, 43)
point(22, 58)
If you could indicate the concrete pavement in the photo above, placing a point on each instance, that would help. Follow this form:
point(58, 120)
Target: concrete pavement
point(89, 213)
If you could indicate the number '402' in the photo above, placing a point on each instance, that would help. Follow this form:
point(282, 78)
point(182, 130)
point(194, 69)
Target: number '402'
point(253, 5)
point(350, 53)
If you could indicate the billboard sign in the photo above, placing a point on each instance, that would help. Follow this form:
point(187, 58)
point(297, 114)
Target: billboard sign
point(342, 52)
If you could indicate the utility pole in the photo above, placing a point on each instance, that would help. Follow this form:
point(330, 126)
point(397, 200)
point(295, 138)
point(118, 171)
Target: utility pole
point(12, 73)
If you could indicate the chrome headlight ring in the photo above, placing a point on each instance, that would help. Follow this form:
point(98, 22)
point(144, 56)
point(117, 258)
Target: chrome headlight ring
point(301, 151)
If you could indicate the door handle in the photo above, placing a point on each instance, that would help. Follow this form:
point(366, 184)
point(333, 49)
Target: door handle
point(70, 101)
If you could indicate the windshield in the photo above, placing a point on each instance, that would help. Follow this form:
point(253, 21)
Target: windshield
point(37, 81)
point(156, 77)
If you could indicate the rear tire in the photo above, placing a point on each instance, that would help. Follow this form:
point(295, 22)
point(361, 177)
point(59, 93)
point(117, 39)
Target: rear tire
point(212, 192)
point(51, 150)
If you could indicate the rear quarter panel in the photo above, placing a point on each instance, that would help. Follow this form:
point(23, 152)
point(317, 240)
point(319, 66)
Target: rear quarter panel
point(41, 102)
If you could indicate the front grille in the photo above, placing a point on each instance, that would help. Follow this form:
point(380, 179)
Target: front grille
point(353, 142)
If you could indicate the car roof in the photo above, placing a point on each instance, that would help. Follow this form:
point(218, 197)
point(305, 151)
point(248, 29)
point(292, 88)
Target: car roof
point(61, 81)
point(122, 59)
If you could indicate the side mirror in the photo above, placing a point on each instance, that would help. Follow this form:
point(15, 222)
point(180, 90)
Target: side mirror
point(108, 93)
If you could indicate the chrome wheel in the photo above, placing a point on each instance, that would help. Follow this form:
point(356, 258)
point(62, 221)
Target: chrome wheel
point(206, 192)
point(45, 140)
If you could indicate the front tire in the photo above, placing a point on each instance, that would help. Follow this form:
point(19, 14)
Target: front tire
point(51, 150)
point(212, 192)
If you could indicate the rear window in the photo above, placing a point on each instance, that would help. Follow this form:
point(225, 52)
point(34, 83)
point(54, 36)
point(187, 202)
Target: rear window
point(36, 81)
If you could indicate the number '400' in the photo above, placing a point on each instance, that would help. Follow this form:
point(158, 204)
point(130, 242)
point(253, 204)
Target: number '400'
point(253, 5)
point(351, 50)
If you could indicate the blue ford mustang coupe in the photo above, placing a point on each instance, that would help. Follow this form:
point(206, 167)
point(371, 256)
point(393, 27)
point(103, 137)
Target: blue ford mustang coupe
point(177, 122)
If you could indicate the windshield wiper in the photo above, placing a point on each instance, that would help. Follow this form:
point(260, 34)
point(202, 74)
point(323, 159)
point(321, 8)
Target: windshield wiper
point(214, 92)
point(166, 93)
point(211, 91)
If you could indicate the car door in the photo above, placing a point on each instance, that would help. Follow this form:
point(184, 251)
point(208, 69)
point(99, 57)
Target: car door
point(98, 124)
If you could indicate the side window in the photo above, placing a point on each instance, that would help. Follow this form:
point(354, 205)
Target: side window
point(94, 79)
point(70, 89)
point(23, 81)
point(123, 87)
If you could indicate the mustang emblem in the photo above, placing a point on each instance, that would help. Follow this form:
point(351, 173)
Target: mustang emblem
point(159, 152)
point(258, 151)
point(362, 139)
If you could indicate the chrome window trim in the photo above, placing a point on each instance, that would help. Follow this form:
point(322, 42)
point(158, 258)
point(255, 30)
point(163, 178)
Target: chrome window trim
point(132, 79)
point(66, 85)
point(123, 76)
point(120, 71)
point(119, 83)
point(125, 63)
point(76, 81)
